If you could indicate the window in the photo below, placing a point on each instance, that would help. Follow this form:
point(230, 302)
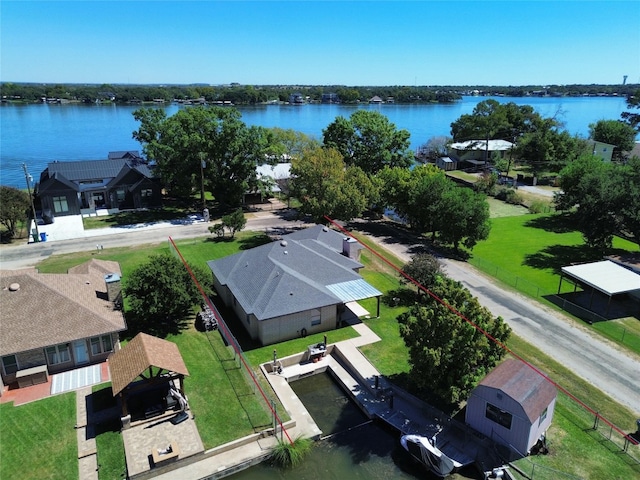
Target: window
point(101, 344)
point(58, 354)
point(120, 194)
point(146, 193)
point(543, 415)
point(315, 317)
point(501, 417)
point(10, 364)
point(60, 204)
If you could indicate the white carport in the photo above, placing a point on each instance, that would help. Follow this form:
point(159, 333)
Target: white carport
point(605, 276)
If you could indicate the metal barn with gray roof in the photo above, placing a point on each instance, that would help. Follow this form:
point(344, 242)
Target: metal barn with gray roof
point(293, 287)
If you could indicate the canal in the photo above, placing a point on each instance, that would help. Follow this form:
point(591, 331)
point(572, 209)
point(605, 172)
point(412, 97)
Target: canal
point(352, 446)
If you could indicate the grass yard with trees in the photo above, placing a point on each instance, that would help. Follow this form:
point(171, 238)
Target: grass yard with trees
point(390, 356)
point(527, 252)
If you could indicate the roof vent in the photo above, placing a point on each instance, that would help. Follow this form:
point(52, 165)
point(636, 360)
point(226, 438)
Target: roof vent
point(283, 243)
point(325, 229)
point(14, 287)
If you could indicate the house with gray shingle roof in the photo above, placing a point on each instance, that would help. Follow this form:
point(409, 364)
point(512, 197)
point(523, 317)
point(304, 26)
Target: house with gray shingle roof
point(57, 322)
point(513, 405)
point(123, 181)
point(290, 288)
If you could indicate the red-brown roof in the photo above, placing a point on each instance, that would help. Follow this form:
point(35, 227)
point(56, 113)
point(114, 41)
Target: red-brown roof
point(138, 355)
point(49, 309)
point(519, 381)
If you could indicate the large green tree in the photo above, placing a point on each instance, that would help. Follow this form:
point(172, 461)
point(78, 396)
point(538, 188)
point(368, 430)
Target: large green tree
point(424, 268)
point(605, 198)
point(160, 294)
point(629, 211)
point(426, 199)
point(464, 218)
point(614, 132)
point(14, 205)
point(203, 146)
point(288, 143)
point(632, 118)
point(548, 148)
point(448, 356)
point(369, 140)
point(324, 185)
point(415, 195)
point(492, 120)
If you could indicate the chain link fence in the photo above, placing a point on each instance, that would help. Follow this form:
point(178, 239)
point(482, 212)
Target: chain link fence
point(616, 332)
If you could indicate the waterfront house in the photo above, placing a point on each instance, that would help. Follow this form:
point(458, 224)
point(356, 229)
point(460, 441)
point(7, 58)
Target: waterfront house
point(279, 174)
point(376, 99)
point(478, 152)
point(125, 181)
point(57, 322)
point(330, 98)
point(297, 99)
point(513, 405)
point(302, 284)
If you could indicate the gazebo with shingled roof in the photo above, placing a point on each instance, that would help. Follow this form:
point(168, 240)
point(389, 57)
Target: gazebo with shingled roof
point(145, 362)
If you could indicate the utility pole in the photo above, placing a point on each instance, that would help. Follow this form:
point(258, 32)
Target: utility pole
point(28, 178)
point(203, 164)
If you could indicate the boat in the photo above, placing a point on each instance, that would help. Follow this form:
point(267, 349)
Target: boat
point(425, 451)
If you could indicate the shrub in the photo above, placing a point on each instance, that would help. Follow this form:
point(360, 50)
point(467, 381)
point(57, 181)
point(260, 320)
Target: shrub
point(217, 229)
point(537, 206)
point(288, 454)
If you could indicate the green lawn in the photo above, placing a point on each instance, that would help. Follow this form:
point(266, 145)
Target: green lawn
point(226, 408)
point(570, 436)
point(196, 250)
point(527, 253)
point(38, 441)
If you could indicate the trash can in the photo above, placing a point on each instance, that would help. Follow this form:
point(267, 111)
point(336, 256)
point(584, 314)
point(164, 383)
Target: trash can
point(35, 238)
point(43, 236)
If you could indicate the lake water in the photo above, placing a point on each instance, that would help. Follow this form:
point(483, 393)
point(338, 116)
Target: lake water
point(38, 134)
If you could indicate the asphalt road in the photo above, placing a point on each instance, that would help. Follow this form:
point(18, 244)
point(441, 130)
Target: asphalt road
point(588, 356)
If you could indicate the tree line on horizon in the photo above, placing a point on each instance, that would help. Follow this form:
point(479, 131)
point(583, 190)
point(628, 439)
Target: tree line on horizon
point(238, 94)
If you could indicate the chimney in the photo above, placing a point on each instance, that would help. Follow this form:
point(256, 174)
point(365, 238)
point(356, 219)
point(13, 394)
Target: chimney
point(347, 243)
point(114, 289)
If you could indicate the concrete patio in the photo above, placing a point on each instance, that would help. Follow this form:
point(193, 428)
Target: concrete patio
point(140, 441)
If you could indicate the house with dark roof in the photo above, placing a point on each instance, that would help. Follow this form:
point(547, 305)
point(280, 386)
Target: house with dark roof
point(513, 405)
point(299, 285)
point(56, 322)
point(123, 181)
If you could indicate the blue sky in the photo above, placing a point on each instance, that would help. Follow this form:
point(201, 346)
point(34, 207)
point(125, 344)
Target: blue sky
point(322, 43)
